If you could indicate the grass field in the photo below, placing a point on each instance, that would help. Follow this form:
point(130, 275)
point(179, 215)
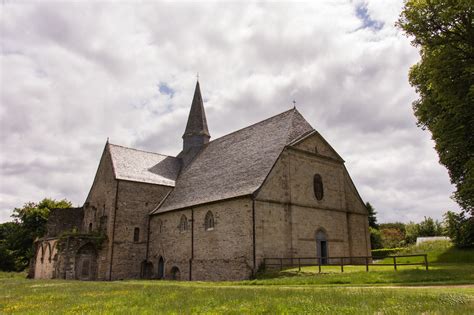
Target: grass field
point(354, 292)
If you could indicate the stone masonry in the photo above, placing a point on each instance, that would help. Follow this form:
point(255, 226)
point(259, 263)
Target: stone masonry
point(213, 212)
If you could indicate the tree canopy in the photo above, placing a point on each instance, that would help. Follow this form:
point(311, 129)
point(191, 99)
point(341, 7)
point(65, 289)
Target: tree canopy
point(443, 30)
point(17, 237)
point(372, 215)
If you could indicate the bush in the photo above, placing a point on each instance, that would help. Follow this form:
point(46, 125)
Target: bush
point(392, 237)
point(375, 238)
point(384, 252)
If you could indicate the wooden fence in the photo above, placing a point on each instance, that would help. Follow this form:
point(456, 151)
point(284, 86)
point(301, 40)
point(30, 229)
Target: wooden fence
point(281, 263)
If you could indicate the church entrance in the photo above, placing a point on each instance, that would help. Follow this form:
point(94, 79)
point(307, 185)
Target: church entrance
point(161, 268)
point(322, 247)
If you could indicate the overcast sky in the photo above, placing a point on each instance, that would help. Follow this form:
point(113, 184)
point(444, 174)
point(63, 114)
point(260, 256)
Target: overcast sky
point(73, 74)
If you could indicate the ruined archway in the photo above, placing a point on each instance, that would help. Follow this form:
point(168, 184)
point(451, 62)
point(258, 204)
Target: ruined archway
point(86, 263)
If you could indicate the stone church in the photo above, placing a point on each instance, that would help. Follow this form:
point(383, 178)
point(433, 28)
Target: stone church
point(214, 212)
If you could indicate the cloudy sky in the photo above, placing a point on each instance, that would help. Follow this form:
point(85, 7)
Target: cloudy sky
point(75, 73)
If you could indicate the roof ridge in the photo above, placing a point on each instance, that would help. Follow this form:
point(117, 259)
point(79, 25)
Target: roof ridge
point(252, 125)
point(140, 150)
point(290, 126)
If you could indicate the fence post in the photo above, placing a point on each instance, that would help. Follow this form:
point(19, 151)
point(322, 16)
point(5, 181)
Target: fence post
point(342, 264)
point(395, 262)
point(319, 264)
point(299, 264)
point(367, 264)
point(281, 263)
point(426, 261)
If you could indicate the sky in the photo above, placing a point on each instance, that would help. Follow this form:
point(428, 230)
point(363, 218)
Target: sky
point(73, 74)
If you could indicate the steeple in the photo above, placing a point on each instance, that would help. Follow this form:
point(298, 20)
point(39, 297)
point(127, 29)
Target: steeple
point(196, 133)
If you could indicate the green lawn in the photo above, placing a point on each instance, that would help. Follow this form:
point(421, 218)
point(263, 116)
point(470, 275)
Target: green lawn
point(380, 291)
point(146, 297)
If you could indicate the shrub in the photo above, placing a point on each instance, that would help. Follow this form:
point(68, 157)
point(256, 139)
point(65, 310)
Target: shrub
point(375, 238)
point(392, 237)
point(384, 252)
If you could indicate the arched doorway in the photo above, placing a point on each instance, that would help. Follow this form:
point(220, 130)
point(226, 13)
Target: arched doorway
point(86, 263)
point(161, 268)
point(146, 269)
point(322, 246)
point(175, 274)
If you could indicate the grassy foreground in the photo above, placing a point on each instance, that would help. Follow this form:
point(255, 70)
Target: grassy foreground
point(380, 291)
point(148, 297)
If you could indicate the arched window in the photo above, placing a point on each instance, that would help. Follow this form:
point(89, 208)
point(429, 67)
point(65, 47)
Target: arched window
point(90, 227)
point(136, 234)
point(161, 268)
point(183, 223)
point(209, 221)
point(318, 187)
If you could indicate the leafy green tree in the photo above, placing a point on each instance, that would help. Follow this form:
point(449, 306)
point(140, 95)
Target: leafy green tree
point(375, 238)
point(429, 227)
point(372, 216)
point(8, 234)
point(460, 229)
point(444, 79)
point(17, 237)
point(412, 231)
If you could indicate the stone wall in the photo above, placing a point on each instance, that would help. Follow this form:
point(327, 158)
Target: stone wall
point(99, 210)
point(221, 253)
point(45, 259)
point(135, 202)
point(62, 220)
point(288, 215)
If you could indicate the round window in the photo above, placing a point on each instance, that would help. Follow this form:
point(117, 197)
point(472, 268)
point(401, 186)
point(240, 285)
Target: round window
point(318, 187)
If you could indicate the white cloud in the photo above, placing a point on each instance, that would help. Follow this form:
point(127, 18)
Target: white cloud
point(73, 74)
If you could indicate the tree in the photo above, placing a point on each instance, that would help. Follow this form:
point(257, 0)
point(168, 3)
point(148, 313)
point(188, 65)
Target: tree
point(17, 237)
point(412, 231)
point(375, 238)
point(460, 229)
point(392, 237)
point(372, 216)
point(429, 227)
point(444, 79)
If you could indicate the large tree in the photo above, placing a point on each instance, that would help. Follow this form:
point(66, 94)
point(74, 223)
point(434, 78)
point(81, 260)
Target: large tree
point(372, 216)
point(443, 30)
point(17, 237)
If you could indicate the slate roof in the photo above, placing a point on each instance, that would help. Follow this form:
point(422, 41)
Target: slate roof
point(145, 167)
point(197, 123)
point(236, 164)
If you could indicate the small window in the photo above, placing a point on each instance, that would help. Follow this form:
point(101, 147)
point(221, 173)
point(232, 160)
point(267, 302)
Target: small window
point(90, 227)
point(316, 149)
point(209, 221)
point(183, 223)
point(136, 234)
point(160, 226)
point(318, 187)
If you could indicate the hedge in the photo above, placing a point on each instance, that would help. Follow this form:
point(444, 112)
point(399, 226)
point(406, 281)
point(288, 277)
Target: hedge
point(384, 252)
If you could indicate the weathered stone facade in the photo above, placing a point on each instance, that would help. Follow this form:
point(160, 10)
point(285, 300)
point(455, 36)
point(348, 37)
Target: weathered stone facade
point(214, 212)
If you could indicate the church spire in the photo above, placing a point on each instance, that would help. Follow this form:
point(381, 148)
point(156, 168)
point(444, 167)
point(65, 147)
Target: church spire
point(196, 133)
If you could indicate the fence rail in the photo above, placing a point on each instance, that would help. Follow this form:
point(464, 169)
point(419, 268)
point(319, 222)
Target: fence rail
point(281, 262)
